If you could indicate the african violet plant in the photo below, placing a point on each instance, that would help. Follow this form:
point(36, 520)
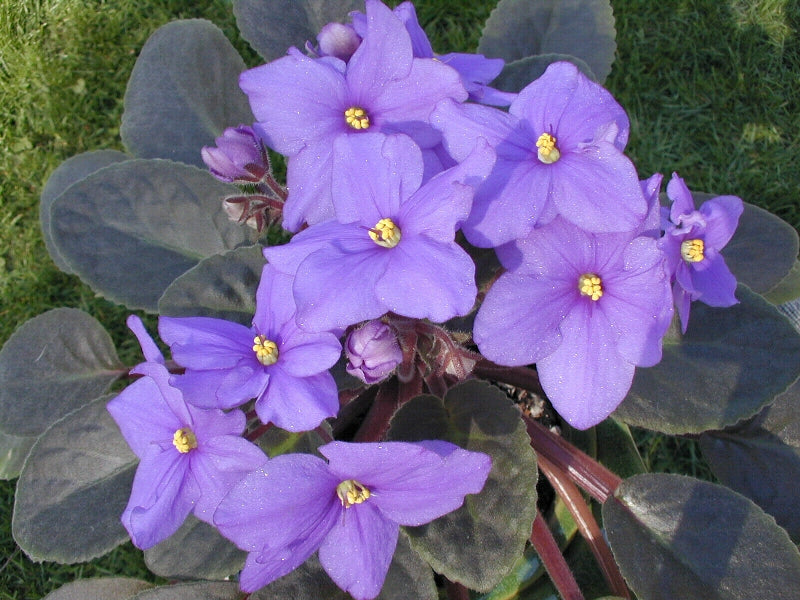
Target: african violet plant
point(466, 234)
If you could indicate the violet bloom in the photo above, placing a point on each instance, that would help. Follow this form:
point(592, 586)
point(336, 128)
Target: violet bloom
point(304, 105)
point(283, 368)
point(338, 40)
point(692, 242)
point(349, 508)
point(240, 156)
point(393, 249)
point(559, 151)
point(373, 352)
point(586, 308)
point(189, 457)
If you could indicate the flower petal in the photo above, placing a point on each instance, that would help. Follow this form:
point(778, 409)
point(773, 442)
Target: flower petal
point(298, 403)
point(722, 217)
point(205, 343)
point(274, 301)
point(308, 179)
point(715, 284)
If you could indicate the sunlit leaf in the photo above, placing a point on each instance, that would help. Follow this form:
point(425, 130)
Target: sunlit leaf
point(206, 590)
point(13, 450)
point(105, 588)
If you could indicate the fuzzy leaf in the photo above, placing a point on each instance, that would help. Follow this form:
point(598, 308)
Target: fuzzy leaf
point(519, 73)
point(103, 588)
point(130, 229)
point(53, 364)
point(74, 487)
point(206, 590)
point(183, 93)
point(13, 451)
point(677, 537)
point(731, 362)
point(272, 26)
point(479, 543)
point(581, 28)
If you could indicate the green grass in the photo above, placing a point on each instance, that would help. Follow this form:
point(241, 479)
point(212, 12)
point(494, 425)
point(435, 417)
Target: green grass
point(710, 86)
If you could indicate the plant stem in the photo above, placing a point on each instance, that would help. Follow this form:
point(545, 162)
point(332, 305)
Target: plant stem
point(258, 432)
point(553, 561)
point(456, 591)
point(522, 377)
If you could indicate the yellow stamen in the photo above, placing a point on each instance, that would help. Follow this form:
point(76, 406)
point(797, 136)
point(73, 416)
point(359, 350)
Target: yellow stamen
point(266, 350)
point(184, 440)
point(385, 233)
point(590, 285)
point(357, 117)
point(693, 250)
point(352, 492)
point(548, 152)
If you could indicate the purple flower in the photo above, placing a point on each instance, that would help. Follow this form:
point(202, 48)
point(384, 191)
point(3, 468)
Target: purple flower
point(692, 242)
point(349, 508)
point(240, 156)
point(559, 152)
point(586, 308)
point(304, 105)
point(338, 40)
point(373, 352)
point(283, 368)
point(394, 248)
point(189, 457)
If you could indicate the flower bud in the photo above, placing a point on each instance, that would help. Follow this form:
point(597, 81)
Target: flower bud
point(373, 352)
point(238, 157)
point(336, 39)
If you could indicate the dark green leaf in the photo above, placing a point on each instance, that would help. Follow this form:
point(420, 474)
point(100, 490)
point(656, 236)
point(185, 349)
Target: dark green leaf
point(761, 458)
point(272, 26)
point(580, 28)
point(731, 362)
point(277, 441)
point(195, 551)
point(105, 588)
point(13, 450)
point(519, 73)
point(222, 286)
point(206, 590)
point(70, 171)
point(53, 364)
point(612, 444)
point(74, 487)
point(788, 288)
point(130, 229)
point(183, 92)
point(526, 570)
point(677, 537)
point(480, 542)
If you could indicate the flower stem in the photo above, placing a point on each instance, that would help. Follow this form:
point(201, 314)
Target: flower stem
point(522, 377)
point(456, 591)
point(258, 432)
point(553, 561)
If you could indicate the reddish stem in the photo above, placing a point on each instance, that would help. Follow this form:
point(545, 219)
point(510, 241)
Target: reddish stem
point(456, 591)
point(587, 525)
point(276, 187)
point(590, 475)
point(376, 423)
point(258, 432)
point(553, 561)
point(522, 377)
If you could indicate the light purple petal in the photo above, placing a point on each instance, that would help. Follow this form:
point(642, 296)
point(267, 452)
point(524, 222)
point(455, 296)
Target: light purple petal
point(286, 258)
point(262, 568)
point(222, 388)
point(149, 347)
point(682, 201)
point(473, 67)
point(651, 187)
point(420, 44)
point(205, 343)
point(308, 179)
point(715, 284)
point(209, 424)
point(305, 354)
point(358, 550)
point(298, 403)
point(683, 302)
point(722, 217)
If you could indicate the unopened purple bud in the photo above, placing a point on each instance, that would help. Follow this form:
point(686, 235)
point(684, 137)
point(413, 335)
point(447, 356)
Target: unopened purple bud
point(373, 352)
point(239, 156)
point(339, 40)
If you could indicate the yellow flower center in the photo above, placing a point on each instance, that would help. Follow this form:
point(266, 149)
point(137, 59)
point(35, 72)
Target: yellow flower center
point(385, 233)
point(184, 440)
point(266, 350)
point(591, 285)
point(693, 250)
point(548, 152)
point(357, 117)
point(352, 492)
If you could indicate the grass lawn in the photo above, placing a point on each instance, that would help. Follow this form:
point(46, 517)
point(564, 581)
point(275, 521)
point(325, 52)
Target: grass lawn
point(711, 87)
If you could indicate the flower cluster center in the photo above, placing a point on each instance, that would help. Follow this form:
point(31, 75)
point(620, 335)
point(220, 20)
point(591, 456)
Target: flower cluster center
point(385, 233)
point(548, 152)
point(693, 250)
point(590, 285)
point(357, 117)
point(352, 492)
point(266, 350)
point(184, 440)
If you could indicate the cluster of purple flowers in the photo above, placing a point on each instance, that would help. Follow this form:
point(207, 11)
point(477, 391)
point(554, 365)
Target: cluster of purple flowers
point(391, 151)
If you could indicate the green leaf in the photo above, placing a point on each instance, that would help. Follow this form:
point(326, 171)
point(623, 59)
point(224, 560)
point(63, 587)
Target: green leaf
point(307, 581)
point(195, 551)
point(731, 362)
point(183, 92)
point(277, 441)
point(206, 590)
point(222, 286)
point(677, 537)
point(481, 541)
point(70, 171)
point(762, 252)
point(760, 458)
point(526, 570)
point(272, 26)
point(581, 28)
point(788, 288)
point(53, 364)
point(519, 73)
point(129, 229)
point(74, 487)
point(104, 588)
point(611, 443)
point(13, 451)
